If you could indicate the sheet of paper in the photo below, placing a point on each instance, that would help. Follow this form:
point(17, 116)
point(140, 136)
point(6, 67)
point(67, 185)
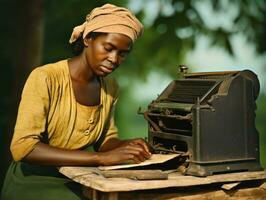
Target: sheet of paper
point(154, 159)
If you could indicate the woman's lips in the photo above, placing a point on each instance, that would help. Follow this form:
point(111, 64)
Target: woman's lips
point(107, 69)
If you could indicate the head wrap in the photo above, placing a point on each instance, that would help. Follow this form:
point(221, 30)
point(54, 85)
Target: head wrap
point(109, 19)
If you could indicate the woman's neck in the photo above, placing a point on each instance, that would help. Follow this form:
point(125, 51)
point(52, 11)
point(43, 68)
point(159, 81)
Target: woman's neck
point(80, 71)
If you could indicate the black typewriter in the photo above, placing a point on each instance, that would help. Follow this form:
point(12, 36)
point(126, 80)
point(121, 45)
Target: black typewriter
point(209, 119)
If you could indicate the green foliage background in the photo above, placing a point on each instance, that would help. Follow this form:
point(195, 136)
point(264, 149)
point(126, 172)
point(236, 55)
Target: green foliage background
point(161, 49)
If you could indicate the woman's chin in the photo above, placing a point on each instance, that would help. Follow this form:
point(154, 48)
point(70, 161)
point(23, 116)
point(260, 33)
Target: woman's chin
point(102, 73)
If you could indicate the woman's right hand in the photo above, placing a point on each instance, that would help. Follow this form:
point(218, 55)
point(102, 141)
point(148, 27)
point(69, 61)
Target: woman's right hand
point(129, 152)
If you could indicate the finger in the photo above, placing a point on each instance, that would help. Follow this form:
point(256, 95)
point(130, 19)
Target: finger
point(144, 145)
point(129, 159)
point(138, 155)
point(140, 149)
point(135, 159)
point(145, 153)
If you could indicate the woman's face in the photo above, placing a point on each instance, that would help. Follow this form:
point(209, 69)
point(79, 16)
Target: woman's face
point(106, 52)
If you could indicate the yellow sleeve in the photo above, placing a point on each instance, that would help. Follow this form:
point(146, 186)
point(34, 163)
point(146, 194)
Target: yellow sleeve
point(32, 115)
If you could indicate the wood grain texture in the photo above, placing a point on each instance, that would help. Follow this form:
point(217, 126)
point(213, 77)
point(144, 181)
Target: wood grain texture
point(91, 177)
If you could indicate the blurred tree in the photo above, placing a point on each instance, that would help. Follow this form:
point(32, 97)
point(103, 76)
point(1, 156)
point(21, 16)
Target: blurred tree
point(261, 126)
point(178, 23)
point(173, 30)
point(28, 53)
point(44, 27)
point(29, 40)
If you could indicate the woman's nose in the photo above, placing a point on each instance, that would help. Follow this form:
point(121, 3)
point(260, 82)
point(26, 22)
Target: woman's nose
point(113, 57)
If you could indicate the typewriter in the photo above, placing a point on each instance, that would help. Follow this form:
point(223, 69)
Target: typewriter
point(209, 119)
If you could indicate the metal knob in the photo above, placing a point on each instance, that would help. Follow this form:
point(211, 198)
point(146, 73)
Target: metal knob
point(183, 69)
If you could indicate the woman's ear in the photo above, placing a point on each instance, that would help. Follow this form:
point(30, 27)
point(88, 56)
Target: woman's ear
point(86, 41)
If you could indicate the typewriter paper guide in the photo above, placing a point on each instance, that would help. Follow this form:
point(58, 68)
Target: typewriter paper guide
point(154, 159)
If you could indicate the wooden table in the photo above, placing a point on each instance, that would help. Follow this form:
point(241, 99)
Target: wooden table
point(242, 185)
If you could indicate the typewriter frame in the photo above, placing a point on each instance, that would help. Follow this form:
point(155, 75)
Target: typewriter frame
point(210, 119)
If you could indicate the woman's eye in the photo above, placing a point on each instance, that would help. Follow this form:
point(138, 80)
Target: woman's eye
point(107, 49)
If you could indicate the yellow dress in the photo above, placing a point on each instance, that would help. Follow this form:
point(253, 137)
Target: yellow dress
point(48, 112)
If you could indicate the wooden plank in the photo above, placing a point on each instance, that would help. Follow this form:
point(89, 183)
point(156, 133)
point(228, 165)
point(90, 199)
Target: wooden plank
point(241, 194)
point(90, 177)
point(263, 186)
point(189, 193)
point(97, 195)
point(230, 186)
point(136, 174)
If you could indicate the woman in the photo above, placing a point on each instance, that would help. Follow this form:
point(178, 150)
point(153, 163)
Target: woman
point(68, 106)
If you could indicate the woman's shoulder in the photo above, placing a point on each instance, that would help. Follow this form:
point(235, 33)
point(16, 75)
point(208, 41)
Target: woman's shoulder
point(52, 68)
point(49, 72)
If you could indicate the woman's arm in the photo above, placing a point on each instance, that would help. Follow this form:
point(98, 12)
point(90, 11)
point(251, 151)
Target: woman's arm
point(113, 152)
point(45, 154)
